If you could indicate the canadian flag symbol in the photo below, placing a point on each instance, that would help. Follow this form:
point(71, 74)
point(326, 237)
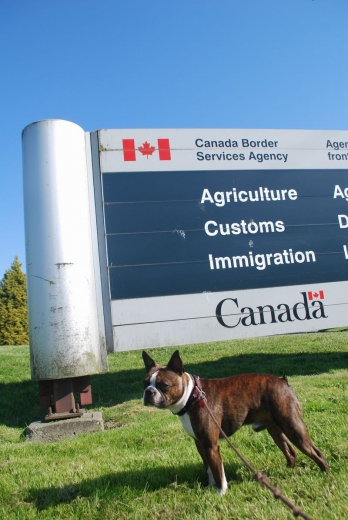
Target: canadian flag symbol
point(129, 149)
point(318, 295)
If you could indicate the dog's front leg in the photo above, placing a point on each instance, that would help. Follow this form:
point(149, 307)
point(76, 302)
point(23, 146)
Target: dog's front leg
point(216, 471)
point(217, 468)
point(201, 451)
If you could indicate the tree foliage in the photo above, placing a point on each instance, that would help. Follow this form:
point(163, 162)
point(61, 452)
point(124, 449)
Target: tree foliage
point(13, 306)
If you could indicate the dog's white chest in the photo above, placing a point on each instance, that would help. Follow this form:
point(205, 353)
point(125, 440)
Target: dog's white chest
point(186, 423)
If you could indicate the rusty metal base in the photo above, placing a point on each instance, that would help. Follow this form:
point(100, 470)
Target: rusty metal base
point(58, 396)
point(58, 416)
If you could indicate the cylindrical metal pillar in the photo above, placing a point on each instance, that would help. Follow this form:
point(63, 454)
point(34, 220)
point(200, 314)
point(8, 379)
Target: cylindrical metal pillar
point(63, 319)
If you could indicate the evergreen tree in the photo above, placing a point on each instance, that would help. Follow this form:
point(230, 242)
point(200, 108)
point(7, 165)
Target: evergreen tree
point(13, 306)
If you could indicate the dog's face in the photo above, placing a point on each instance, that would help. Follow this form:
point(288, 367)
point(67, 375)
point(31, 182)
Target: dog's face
point(163, 385)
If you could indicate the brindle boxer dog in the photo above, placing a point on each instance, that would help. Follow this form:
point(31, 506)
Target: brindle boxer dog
point(264, 401)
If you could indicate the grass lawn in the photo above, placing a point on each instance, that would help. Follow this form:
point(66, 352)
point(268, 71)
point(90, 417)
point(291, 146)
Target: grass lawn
point(144, 466)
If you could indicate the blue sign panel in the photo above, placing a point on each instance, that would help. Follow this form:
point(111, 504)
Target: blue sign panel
point(186, 232)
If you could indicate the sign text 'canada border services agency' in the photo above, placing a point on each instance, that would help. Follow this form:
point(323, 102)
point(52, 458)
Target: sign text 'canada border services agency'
point(218, 234)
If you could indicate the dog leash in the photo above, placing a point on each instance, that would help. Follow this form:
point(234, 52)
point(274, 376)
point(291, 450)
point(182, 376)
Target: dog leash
point(260, 477)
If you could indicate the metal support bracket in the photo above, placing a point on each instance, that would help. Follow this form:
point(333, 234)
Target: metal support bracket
point(58, 397)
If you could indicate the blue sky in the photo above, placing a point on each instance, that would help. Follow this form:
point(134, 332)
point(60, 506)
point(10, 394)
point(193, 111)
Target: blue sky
point(172, 64)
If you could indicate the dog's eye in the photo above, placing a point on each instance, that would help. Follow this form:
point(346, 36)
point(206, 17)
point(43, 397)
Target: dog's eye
point(145, 383)
point(163, 386)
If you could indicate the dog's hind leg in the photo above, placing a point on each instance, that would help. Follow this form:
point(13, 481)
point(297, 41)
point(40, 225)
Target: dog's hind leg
point(283, 444)
point(298, 435)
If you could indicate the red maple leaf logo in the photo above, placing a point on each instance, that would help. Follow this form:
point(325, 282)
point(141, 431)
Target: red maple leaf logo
point(146, 149)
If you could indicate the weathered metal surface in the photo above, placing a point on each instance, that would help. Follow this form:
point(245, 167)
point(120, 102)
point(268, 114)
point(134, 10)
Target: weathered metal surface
point(60, 416)
point(63, 397)
point(65, 335)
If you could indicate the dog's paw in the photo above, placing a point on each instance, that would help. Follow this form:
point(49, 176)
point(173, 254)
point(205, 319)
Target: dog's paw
point(221, 491)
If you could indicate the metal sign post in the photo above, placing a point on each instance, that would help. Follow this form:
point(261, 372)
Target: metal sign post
point(66, 323)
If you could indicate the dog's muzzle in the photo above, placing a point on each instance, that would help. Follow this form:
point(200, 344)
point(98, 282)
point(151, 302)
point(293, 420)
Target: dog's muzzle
point(152, 397)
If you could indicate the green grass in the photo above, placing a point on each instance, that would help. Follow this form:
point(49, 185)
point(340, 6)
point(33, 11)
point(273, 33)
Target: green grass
point(144, 465)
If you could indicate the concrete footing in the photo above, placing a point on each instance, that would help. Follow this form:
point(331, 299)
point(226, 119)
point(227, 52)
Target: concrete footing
point(53, 431)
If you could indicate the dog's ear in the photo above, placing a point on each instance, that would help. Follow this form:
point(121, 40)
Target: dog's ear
point(149, 362)
point(175, 364)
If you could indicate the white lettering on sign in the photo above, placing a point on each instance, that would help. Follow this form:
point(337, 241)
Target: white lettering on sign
point(220, 198)
point(343, 221)
point(338, 192)
point(212, 228)
point(261, 261)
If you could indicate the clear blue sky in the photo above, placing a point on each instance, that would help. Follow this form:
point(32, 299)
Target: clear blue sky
point(164, 63)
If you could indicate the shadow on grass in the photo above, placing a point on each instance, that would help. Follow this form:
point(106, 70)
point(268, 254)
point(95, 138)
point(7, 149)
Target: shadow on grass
point(119, 483)
point(294, 364)
point(19, 401)
point(114, 388)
